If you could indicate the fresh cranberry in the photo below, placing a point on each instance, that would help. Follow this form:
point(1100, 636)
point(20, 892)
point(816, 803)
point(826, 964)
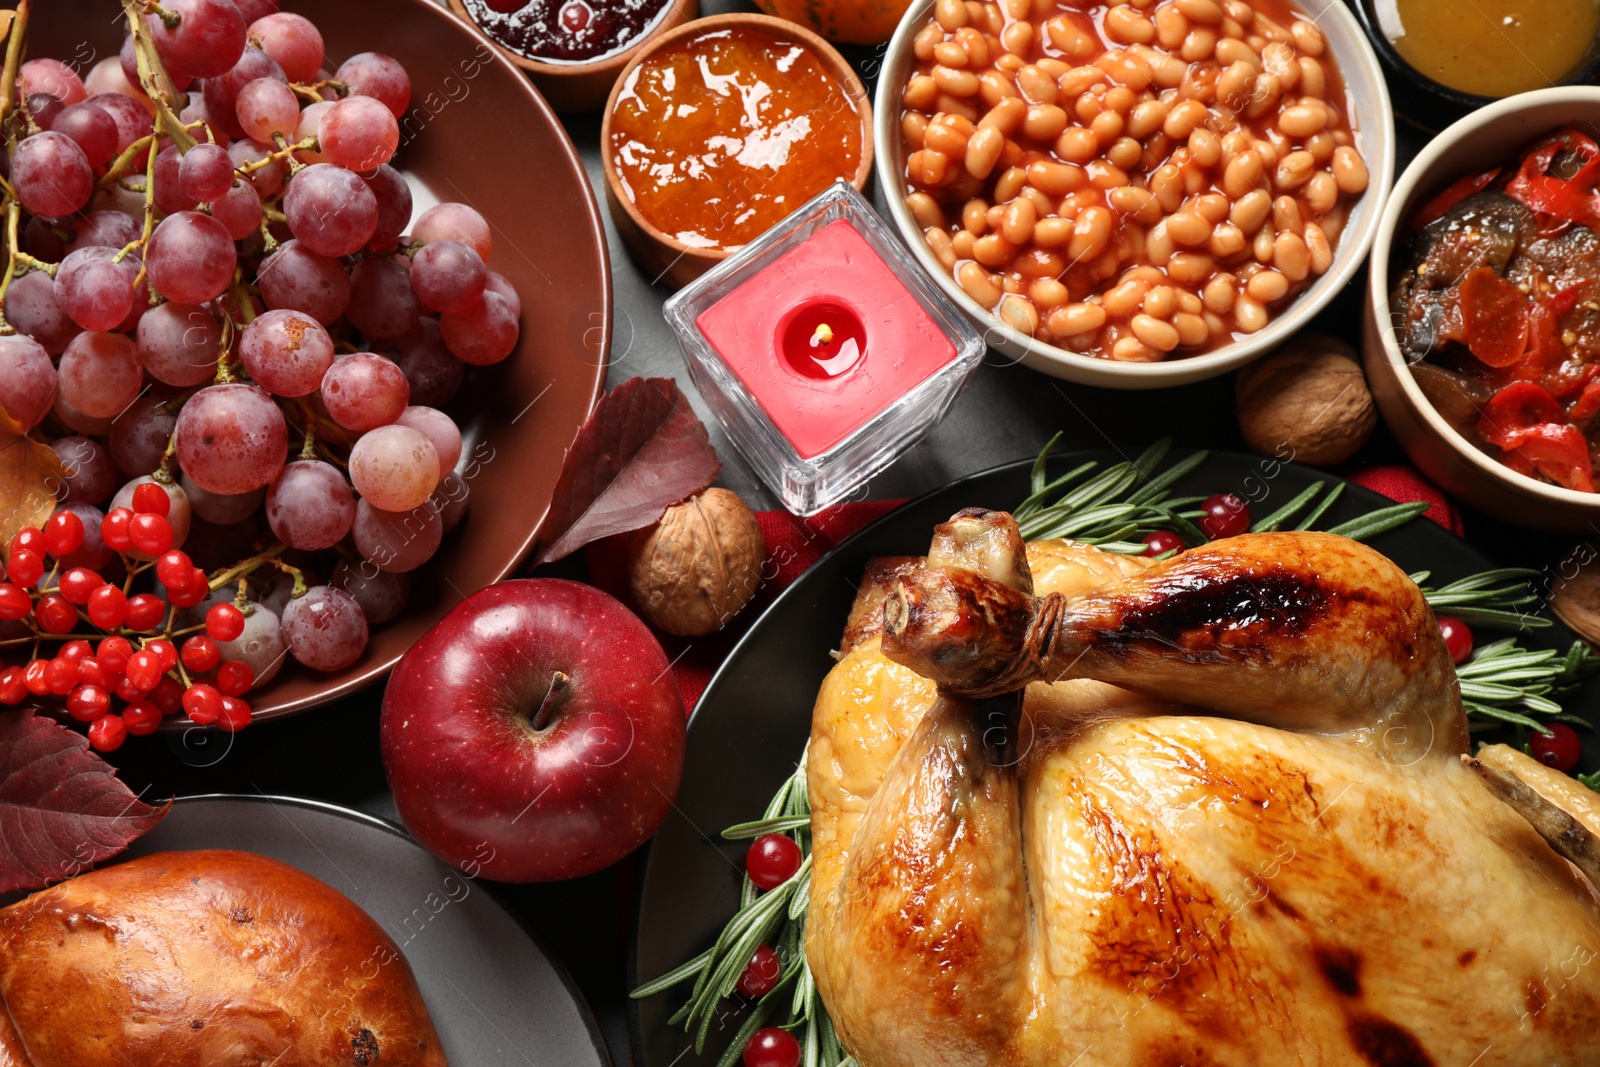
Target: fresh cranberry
point(772, 860)
point(1560, 748)
point(1226, 515)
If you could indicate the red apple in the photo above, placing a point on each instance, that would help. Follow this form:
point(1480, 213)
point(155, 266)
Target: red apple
point(535, 733)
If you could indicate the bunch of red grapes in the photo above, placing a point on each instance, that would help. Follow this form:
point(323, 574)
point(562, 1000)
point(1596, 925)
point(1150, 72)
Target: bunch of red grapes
point(217, 316)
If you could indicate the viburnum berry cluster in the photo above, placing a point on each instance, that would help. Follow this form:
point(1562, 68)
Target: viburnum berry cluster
point(220, 314)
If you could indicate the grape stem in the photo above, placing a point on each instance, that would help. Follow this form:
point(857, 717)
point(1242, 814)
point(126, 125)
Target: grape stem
point(240, 570)
point(153, 76)
point(119, 166)
point(170, 19)
point(284, 154)
point(299, 588)
point(149, 213)
point(13, 216)
point(313, 90)
point(16, 37)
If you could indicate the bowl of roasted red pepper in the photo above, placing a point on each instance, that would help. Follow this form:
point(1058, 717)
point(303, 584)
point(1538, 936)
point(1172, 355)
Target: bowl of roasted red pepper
point(1483, 329)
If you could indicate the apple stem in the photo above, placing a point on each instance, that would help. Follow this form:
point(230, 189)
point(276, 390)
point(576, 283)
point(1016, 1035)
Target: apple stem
point(553, 698)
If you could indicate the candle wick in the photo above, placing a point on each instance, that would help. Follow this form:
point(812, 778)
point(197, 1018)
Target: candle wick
point(822, 336)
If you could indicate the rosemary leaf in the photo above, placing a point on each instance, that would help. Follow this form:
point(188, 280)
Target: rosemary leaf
point(782, 824)
point(672, 978)
point(1321, 509)
point(1160, 483)
point(1289, 510)
point(756, 1020)
point(1381, 521)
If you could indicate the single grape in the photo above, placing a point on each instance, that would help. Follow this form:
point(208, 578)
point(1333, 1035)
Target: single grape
point(266, 179)
point(293, 40)
point(74, 419)
point(106, 77)
point(28, 380)
point(141, 294)
point(364, 390)
point(170, 197)
point(310, 506)
point(260, 646)
point(93, 289)
point(41, 240)
point(450, 500)
point(330, 210)
point(94, 131)
point(231, 438)
point(382, 300)
point(325, 629)
point(207, 41)
point(256, 9)
point(239, 210)
point(51, 174)
point(455, 222)
point(206, 170)
point(43, 108)
point(396, 541)
point(379, 76)
point(381, 595)
point(191, 258)
point(139, 436)
point(178, 343)
point(359, 133)
point(221, 94)
point(286, 352)
point(448, 276)
point(294, 277)
point(440, 430)
point(53, 77)
point(111, 229)
point(433, 371)
point(101, 374)
point(395, 467)
point(500, 285)
point(483, 334)
point(32, 307)
point(394, 205)
point(218, 509)
point(179, 513)
point(91, 475)
point(127, 114)
point(267, 109)
point(310, 128)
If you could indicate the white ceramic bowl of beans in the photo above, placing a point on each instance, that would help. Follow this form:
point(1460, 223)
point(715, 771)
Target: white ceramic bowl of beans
point(1367, 107)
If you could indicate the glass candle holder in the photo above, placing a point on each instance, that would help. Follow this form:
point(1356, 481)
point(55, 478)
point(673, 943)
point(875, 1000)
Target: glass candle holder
point(823, 349)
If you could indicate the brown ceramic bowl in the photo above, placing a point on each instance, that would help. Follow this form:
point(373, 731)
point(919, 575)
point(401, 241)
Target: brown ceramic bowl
point(583, 86)
point(1486, 138)
point(487, 147)
point(665, 258)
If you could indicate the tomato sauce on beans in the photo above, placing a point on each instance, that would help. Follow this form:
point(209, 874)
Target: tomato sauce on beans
point(1134, 180)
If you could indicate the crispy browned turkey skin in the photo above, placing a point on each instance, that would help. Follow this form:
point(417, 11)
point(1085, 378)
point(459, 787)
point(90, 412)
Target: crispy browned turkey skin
point(205, 959)
point(1227, 823)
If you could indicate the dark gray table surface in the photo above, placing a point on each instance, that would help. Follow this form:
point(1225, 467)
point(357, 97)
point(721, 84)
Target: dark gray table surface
point(1006, 413)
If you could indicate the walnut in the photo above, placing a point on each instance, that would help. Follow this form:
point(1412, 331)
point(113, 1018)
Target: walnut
point(1575, 596)
point(696, 568)
point(1308, 397)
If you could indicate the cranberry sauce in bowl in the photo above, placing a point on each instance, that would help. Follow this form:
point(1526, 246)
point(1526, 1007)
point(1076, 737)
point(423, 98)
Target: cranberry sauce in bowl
point(566, 31)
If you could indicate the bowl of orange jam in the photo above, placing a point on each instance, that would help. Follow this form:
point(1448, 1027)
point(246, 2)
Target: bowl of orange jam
point(721, 128)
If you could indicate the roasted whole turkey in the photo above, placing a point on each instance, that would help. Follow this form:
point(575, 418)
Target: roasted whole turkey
point(1078, 809)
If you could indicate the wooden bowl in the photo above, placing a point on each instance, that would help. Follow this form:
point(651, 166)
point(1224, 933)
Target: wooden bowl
point(664, 258)
point(583, 86)
point(489, 147)
point(1486, 138)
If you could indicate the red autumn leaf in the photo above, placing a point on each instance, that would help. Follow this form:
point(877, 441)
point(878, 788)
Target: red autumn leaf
point(62, 807)
point(641, 451)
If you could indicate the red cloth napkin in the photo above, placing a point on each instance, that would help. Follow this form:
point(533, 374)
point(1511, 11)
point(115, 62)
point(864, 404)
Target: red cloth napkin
point(794, 544)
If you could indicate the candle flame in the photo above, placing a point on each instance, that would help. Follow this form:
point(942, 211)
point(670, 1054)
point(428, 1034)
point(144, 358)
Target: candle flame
point(822, 336)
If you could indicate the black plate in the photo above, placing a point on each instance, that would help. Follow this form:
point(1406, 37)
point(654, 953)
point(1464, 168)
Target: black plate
point(753, 721)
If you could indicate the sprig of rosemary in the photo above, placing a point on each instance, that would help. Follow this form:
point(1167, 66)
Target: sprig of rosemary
point(776, 917)
point(1506, 683)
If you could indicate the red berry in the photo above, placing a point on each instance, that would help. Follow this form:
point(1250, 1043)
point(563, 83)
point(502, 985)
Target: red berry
point(1560, 748)
point(144, 670)
point(200, 654)
point(168, 695)
point(1160, 542)
point(127, 691)
point(63, 534)
point(145, 612)
point(150, 534)
point(224, 622)
point(89, 670)
point(771, 1047)
point(54, 614)
point(1457, 638)
point(76, 651)
point(235, 677)
point(235, 716)
point(1226, 515)
point(141, 717)
point(15, 603)
point(202, 703)
point(13, 685)
point(113, 654)
point(150, 499)
point(79, 584)
point(87, 703)
point(166, 650)
point(174, 569)
point(772, 860)
point(61, 676)
point(27, 567)
point(34, 677)
point(107, 607)
point(28, 539)
point(107, 733)
point(761, 974)
point(114, 529)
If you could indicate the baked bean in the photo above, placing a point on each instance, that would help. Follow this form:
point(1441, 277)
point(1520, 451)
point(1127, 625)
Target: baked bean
point(927, 39)
point(1188, 229)
point(1125, 25)
point(913, 127)
point(1219, 293)
point(975, 282)
point(993, 217)
point(1235, 86)
point(1041, 203)
point(928, 168)
point(1320, 248)
point(951, 14)
point(1273, 29)
point(1070, 38)
point(1263, 245)
point(1157, 148)
point(1140, 204)
point(1307, 37)
point(1300, 121)
point(1010, 184)
point(1213, 207)
point(1231, 28)
point(1200, 44)
point(1120, 98)
point(1144, 273)
point(1286, 215)
point(975, 217)
point(1166, 70)
point(983, 151)
point(1019, 313)
point(1161, 301)
point(1158, 244)
point(1080, 80)
point(1006, 116)
point(1017, 225)
point(996, 20)
point(1249, 315)
point(925, 209)
point(974, 45)
point(1010, 64)
point(1190, 268)
point(1077, 145)
point(939, 244)
point(959, 83)
point(1313, 82)
point(1200, 82)
point(1133, 350)
point(1239, 11)
point(1104, 174)
point(1036, 86)
point(1124, 298)
point(1264, 97)
point(1052, 232)
point(1146, 118)
point(1167, 185)
point(1172, 27)
point(1077, 319)
point(1018, 9)
point(1294, 170)
point(1187, 301)
point(1227, 241)
point(1205, 147)
point(1250, 211)
point(1044, 122)
point(962, 241)
point(1090, 234)
point(950, 54)
point(1125, 68)
point(1054, 179)
point(1125, 152)
point(1088, 105)
point(1268, 153)
point(1017, 38)
point(1162, 336)
point(1267, 286)
point(920, 92)
point(1107, 126)
point(1243, 174)
point(994, 251)
point(1349, 170)
point(1205, 12)
point(1192, 329)
point(995, 88)
point(1321, 146)
point(1048, 293)
point(955, 105)
point(1231, 50)
point(1291, 257)
point(943, 138)
point(1322, 192)
point(1278, 59)
point(1183, 119)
